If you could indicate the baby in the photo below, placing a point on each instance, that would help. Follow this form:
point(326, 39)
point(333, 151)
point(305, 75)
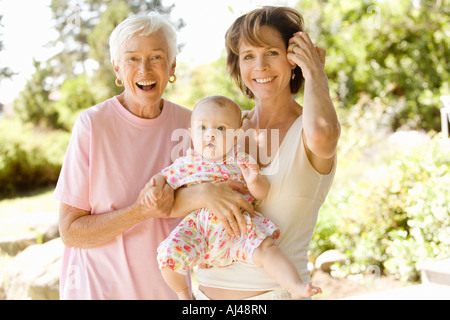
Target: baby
point(200, 238)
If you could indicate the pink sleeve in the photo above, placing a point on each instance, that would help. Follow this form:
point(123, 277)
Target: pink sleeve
point(176, 173)
point(73, 183)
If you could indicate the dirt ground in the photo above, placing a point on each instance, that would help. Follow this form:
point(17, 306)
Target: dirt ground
point(334, 288)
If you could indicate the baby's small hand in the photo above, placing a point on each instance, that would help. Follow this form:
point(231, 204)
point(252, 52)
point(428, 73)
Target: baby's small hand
point(153, 194)
point(156, 198)
point(250, 171)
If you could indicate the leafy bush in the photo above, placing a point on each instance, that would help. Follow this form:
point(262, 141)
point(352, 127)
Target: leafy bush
point(29, 157)
point(394, 50)
point(390, 207)
point(75, 96)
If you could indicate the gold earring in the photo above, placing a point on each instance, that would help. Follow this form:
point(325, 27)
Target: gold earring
point(119, 83)
point(293, 74)
point(172, 79)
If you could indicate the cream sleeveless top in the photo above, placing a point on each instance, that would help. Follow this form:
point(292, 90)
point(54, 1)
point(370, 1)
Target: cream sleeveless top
point(296, 194)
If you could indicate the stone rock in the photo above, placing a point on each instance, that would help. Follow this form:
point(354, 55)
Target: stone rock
point(34, 273)
point(2, 292)
point(43, 227)
point(46, 286)
point(46, 226)
point(328, 258)
point(437, 272)
point(13, 244)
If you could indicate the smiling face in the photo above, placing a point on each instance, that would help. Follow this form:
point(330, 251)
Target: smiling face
point(214, 127)
point(265, 69)
point(144, 67)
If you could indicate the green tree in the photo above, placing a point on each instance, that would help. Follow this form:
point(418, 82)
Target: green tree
point(5, 72)
point(196, 83)
point(395, 50)
point(74, 21)
point(33, 103)
point(98, 41)
point(74, 96)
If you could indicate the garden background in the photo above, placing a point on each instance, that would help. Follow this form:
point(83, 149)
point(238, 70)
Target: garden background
point(388, 65)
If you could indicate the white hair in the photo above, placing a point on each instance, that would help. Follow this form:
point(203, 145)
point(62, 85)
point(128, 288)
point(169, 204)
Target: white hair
point(145, 25)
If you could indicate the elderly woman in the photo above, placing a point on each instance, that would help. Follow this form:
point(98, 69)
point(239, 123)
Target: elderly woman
point(270, 57)
point(111, 236)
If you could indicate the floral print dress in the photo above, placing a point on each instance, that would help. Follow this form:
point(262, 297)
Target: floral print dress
point(200, 237)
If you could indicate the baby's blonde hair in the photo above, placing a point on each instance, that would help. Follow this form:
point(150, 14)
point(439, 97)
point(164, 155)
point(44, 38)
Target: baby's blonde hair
point(225, 102)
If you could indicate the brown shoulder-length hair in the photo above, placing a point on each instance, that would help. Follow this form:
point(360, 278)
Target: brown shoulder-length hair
point(248, 28)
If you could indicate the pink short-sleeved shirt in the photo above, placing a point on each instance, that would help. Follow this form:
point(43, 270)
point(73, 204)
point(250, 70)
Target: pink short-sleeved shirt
point(111, 156)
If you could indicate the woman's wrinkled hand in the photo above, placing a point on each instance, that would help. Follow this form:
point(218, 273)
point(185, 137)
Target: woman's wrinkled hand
point(158, 206)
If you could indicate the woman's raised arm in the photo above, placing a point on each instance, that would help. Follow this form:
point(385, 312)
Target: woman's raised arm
point(321, 128)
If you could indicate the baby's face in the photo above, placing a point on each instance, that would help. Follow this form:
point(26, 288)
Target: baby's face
point(213, 130)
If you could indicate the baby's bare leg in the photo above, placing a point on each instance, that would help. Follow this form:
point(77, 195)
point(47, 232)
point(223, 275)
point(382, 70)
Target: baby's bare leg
point(279, 267)
point(178, 283)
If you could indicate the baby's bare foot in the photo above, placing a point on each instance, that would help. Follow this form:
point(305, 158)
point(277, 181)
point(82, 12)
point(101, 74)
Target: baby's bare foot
point(305, 291)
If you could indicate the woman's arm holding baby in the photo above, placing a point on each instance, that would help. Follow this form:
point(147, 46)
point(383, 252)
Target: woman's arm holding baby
point(79, 228)
point(222, 198)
